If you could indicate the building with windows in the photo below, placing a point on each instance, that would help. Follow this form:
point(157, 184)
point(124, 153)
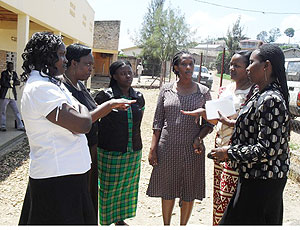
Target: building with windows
point(292, 53)
point(209, 53)
point(133, 51)
point(249, 44)
point(73, 19)
point(19, 19)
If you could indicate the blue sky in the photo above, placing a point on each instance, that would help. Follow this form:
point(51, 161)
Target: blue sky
point(209, 21)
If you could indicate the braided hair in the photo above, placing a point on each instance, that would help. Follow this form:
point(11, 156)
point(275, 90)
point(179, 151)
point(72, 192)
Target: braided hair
point(40, 54)
point(275, 55)
point(76, 51)
point(114, 67)
point(176, 59)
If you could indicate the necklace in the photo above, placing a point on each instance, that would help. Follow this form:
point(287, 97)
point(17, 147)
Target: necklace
point(70, 82)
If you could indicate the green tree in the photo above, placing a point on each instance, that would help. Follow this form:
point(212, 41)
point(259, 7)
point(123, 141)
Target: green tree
point(145, 39)
point(152, 22)
point(163, 32)
point(290, 32)
point(234, 35)
point(274, 33)
point(263, 36)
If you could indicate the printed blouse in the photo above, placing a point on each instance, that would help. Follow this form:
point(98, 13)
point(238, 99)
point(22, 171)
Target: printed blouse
point(261, 135)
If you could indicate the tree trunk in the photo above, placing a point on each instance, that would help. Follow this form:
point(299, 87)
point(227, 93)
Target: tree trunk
point(152, 70)
point(162, 73)
point(170, 70)
point(165, 71)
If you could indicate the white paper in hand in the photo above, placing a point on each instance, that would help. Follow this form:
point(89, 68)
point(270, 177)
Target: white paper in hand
point(225, 105)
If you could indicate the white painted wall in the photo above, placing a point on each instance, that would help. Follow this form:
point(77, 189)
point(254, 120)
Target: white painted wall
point(73, 18)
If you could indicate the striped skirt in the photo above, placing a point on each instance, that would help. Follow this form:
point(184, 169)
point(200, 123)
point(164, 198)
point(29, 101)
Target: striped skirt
point(118, 183)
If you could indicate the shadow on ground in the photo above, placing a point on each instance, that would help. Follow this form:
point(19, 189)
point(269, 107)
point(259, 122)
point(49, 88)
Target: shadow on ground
point(13, 159)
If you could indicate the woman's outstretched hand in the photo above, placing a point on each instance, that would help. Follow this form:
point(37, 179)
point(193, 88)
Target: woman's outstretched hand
point(226, 120)
point(219, 154)
point(121, 103)
point(195, 113)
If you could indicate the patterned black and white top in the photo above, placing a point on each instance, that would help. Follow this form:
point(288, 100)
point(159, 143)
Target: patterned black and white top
point(261, 135)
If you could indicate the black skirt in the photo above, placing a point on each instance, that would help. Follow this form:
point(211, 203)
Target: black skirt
point(63, 200)
point(256, 202)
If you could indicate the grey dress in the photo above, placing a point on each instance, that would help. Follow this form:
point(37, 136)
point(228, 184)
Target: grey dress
point(180, 172)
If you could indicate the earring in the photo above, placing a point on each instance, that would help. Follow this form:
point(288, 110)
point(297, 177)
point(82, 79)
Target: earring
point(46, 69)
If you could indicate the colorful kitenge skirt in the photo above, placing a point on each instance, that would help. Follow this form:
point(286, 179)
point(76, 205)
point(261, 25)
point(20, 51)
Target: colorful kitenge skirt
point(225, 177)
point(225, 182)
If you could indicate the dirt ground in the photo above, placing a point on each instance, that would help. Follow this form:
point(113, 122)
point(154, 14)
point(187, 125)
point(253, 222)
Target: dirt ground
point(14, 177)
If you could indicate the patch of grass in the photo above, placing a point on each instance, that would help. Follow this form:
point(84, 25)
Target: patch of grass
point(225, 76)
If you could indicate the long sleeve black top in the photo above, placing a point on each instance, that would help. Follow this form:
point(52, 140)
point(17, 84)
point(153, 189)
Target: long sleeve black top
point(261, 135)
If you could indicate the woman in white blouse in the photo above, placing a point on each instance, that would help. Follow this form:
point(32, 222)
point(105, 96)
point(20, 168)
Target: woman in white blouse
point(55, 125)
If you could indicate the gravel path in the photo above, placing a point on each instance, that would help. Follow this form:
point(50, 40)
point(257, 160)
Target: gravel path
point(13, 182)
point(14, 178)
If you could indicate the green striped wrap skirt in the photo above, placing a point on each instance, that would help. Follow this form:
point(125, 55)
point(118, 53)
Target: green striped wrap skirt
point(118, 183)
